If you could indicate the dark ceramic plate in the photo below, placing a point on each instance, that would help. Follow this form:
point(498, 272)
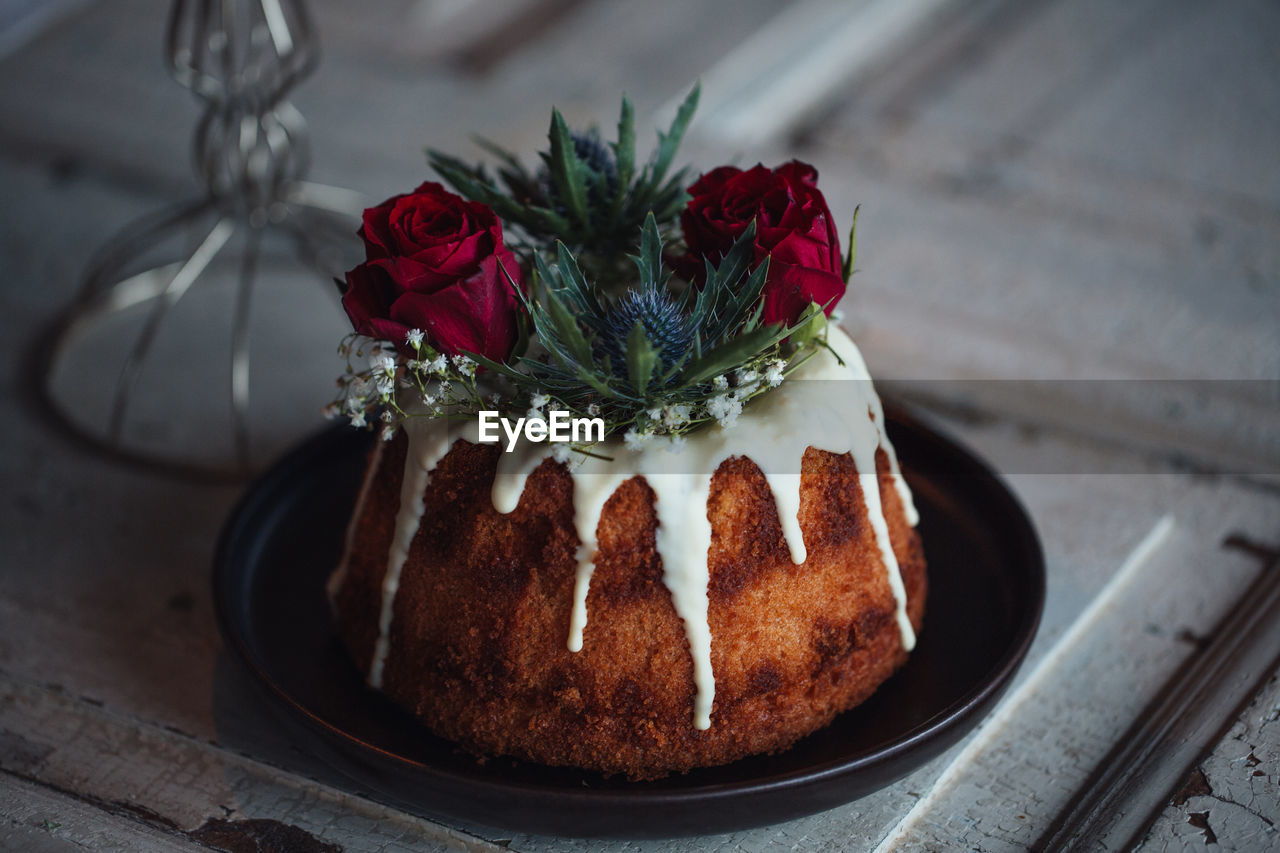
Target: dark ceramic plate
point(986, 590)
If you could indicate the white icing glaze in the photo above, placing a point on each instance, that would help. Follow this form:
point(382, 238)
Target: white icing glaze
point(428, 443)
point(774, 431)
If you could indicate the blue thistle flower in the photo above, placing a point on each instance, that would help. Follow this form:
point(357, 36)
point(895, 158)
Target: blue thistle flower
point(599, 158)
point(667, 328)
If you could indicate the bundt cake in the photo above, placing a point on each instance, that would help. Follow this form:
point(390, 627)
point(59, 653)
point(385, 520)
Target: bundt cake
point(666, 608)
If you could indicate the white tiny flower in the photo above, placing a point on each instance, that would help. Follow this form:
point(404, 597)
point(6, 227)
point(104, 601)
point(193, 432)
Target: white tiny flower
point(388, 416)
point(636, 440)
point(357, 419)
point(414, 338)
point(535, 415)
point(428, 398)
point(495, 398)
point(747, 377)
point(331, 411)
point(593, 409)
point(439, 364)
point(746, 389)
point(415, 365)
point(382, 364)
point(725, 408)
point(539, 400)
point(655, 414)
point(560, 451)
point(674, 417)
point(465, 365)
point(385, 386)
point(773, 373)
point(388, 433)
point(720, 383)
point(359, 387)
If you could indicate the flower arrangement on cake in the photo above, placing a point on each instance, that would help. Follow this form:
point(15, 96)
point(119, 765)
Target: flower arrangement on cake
point(595, 286)
point(729, 538)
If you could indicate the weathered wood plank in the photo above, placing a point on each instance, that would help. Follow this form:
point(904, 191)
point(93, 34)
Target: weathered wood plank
point(44, 820)
point(1030, 759)
point(173, 784)
point(1230, 799)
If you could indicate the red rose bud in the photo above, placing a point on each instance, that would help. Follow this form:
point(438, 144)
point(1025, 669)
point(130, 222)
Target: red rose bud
point(435, 263)
point(794, 229)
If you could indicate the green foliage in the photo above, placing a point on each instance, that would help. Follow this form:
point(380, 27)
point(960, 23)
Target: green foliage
point(600, 335)
point(728, 340)
point(591, 204)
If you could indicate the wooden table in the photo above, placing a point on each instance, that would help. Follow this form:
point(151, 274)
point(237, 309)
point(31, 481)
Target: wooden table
point(1068, 253)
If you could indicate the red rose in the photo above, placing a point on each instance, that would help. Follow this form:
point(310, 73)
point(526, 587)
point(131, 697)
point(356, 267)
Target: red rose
point(435, 263)
point(793, 228)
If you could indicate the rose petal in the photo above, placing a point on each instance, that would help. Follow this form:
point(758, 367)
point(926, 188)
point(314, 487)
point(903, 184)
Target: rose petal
point(789, 290)
point(367, 296)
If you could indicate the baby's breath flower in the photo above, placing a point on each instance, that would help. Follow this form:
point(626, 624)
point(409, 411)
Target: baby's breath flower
point(635, 440)
point(535, 414)
point(720, 383)
point(388, 416)
point(561, 451)
point(439, 364)
point(538, 400)
point(773, 373)
point(747, 383)
point(725, 408)
point(414, 338)
point(382, 364)
point(388, 433)
point(385, 386)
point(593, 409)
point(357, 419)
point(674, 417)
point(416, 365)
point(466, 366)
point(655, 414)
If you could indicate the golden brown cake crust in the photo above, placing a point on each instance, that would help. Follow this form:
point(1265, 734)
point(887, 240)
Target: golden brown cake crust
point(480, 624)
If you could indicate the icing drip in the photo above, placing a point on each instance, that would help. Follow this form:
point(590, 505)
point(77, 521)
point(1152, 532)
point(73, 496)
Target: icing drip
point(428, 443)
point(773, 432)
point(683, 530)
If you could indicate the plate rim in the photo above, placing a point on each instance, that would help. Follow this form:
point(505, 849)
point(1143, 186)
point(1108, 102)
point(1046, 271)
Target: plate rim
point(954, 720)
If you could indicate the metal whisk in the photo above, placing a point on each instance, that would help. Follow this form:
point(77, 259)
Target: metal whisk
point(241, 57)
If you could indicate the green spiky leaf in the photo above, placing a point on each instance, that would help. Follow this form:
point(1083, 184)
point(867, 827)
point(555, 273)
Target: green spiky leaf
point(642, 358)
point(624, 152)
point(670, 141)
point(567, 170)
point(851, 255)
